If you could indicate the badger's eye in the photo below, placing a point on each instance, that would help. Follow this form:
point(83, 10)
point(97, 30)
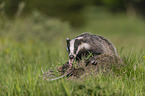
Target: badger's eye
point(75, 49)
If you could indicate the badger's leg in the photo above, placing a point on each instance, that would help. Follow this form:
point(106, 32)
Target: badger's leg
point(92, 60)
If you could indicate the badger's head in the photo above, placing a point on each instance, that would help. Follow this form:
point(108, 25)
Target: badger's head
point(74, 46)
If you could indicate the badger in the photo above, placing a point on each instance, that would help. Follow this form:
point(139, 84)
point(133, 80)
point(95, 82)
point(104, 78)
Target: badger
point(86, 43)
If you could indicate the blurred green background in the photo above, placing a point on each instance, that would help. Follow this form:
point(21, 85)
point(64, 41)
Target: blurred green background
point(70, 10)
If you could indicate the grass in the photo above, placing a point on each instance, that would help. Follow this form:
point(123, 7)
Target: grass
point(36, 42)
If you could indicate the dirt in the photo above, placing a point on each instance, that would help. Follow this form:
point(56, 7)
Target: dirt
point(104, 64)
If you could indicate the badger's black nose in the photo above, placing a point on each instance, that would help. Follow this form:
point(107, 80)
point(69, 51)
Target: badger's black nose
point(71, 57)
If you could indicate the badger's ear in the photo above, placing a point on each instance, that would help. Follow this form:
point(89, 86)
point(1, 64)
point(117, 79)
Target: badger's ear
point(67, 40)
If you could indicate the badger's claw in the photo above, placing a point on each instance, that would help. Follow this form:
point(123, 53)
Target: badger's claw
point(94, 62)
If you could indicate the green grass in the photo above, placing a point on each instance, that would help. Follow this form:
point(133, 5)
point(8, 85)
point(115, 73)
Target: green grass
point(29, 44)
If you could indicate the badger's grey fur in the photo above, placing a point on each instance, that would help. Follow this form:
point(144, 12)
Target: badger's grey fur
point(86, 43)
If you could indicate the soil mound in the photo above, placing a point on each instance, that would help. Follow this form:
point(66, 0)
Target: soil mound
point(105, 64)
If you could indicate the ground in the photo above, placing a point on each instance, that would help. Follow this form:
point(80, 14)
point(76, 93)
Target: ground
point(105, 64)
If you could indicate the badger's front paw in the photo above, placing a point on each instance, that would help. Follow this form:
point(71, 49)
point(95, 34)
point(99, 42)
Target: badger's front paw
point(93, 61)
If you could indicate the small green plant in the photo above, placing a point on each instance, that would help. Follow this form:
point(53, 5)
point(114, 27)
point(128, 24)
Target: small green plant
point(144, 57)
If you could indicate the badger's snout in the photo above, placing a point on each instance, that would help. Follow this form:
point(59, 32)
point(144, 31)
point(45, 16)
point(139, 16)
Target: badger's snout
point(71, 57)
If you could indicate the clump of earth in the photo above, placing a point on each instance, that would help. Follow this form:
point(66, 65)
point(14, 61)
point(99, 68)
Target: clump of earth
point(105, 64)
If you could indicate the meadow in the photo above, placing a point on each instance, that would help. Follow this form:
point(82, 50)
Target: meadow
point(34, 42)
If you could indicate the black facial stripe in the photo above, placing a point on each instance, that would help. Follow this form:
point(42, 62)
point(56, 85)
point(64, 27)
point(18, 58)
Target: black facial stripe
point(68, 45)
point(76, 44)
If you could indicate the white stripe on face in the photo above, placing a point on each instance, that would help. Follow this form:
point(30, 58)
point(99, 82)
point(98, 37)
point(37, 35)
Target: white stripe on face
point(72, 47)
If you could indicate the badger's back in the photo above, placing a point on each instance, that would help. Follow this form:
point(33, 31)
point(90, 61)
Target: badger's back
point(99, 44)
